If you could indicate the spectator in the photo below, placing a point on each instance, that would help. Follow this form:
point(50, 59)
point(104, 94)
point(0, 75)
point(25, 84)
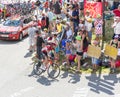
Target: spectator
point(50, 15)
point(79, 53)
point(46, 5)
point(69, 32)
point(85, 42)
point(81, 4)
point(75, 19)
point(117, 11)
point(88, 27)
point(87, 17)
point(115, 4)
point(38, 3)
point(39, 44)
point(68, 52)
point(44, 21)
point(81, 25)
point(113, 43)
point(31, 34)
point(116, 27)
point(95, 61)
point(57, 8)
point(59, 27)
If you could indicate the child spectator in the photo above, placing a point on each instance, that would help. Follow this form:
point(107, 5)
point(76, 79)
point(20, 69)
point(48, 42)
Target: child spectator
point(81, 25)
point(68, 52)
point(95, 61)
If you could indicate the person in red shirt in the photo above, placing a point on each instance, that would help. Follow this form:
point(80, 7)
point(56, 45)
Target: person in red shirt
point(117, 11)
point(46, 5)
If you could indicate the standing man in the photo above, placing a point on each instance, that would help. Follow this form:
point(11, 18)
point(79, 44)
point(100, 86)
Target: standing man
point(75, 19)
point(31, 34)
point(39, 44)
point(57, 8)
point(88, 27)
point(44, 21)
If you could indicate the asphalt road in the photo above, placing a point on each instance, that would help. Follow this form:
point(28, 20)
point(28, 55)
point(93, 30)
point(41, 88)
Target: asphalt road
point(17, 79)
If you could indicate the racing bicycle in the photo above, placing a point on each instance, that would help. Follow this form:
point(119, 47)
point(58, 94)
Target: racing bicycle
point(53, 69)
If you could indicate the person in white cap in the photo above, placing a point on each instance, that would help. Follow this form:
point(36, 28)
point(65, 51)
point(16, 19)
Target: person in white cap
point(116, 26)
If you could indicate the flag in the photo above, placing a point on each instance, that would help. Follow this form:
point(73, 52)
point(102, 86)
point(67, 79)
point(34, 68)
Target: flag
point(98, 26)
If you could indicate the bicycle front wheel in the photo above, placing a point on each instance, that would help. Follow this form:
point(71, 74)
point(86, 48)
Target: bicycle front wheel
point(37, 68)
point(53, 71)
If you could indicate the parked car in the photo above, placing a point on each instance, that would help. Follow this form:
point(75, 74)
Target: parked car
point(15, 28)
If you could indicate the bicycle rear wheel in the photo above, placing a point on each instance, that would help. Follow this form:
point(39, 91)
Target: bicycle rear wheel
point(53, 71)
point(37, 68)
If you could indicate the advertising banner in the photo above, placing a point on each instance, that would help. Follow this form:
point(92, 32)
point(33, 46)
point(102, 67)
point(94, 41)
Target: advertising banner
point(94, 8)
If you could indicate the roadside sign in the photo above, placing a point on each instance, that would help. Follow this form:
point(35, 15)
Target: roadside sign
point(111, 51)
point(94, 51)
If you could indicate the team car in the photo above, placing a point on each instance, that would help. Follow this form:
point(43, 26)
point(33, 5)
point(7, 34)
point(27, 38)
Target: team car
point(15, 28)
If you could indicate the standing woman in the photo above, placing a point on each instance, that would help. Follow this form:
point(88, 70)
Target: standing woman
point(115, 44)
point(79, 52)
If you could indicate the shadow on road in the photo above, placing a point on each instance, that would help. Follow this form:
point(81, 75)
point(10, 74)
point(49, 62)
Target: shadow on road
point(99, 85)
point(64, 75)
point(6, 42)
point(42, 79)
point(74, 78)
point(112, 77)
point(28, 54)
point(45, 81)
point(32, 74)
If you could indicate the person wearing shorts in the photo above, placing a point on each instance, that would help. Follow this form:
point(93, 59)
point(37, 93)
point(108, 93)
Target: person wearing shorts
point(79, 52)
point(68, 52)
point(95, 63)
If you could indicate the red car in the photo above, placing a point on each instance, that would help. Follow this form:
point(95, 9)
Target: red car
point(15, 28)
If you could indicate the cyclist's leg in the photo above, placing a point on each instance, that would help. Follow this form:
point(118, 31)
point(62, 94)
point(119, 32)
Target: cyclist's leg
point(39, 53)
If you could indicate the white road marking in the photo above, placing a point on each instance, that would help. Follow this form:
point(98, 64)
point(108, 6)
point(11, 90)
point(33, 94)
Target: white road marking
point(22, 91)
point(81, 92)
